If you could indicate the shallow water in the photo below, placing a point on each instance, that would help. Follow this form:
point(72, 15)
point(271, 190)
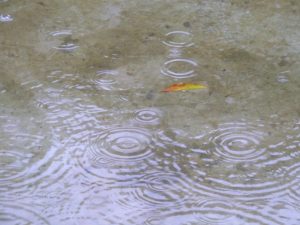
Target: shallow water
point(87, 136)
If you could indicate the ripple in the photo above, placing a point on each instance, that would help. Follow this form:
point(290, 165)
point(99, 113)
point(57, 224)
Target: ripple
point(176, 218)
point(173, 137)
point(236, 142)
point(283, 77)
point(178, 39)
point(236, 161)
point(179, 68)
point(211, 212)
point(105, 79)
point(149, 116)
point(175, 53)
point(162, 189)
point(61, 33)
point(123, 144)
point(154, 190)
point(67, 47)
point(26, 157)
point(117, 153)
point(13, 165)
point(216, 211)
point(12, 214)
point(68, 44)
point(6, 18)
point(293, 175)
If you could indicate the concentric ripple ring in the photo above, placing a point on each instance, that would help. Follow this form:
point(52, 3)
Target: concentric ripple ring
point(122, 144)
point(162, 188)
point(237, 142)
point(15, 214)
point(178, 39)
point(149, 116)
point(179, 68)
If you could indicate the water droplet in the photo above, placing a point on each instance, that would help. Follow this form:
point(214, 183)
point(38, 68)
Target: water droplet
point(179, 68)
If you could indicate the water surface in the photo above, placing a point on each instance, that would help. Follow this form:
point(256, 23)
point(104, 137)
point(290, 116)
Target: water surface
point(87, 136)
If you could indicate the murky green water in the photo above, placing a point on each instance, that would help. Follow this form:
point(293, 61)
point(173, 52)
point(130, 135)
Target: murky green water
point(87, 136)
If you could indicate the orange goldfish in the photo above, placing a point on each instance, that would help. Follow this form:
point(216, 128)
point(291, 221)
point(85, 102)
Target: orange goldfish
point(184, 87)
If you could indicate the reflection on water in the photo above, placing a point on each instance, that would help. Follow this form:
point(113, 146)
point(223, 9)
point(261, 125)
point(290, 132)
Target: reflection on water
point(14, 214)
point(87, 136)
point(6, 18)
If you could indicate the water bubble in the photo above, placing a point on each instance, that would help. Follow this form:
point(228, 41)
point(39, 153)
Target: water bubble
point(178, 39)
point(179, 68)
point(6, 18)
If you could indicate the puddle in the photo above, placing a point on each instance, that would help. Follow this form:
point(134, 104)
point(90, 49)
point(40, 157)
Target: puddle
point(87, 135)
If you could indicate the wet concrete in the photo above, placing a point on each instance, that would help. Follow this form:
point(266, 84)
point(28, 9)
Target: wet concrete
point(88, 137)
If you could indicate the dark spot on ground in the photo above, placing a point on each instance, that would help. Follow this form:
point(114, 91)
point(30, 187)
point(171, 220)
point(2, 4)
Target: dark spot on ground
point(187, 24)
point(150, 95)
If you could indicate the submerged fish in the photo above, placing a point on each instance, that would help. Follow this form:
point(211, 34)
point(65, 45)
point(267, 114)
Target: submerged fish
point(184, 87)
